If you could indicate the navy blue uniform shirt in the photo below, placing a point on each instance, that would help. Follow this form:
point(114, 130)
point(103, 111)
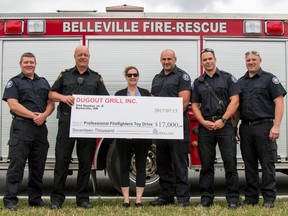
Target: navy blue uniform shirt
point(223, 83)
point(67, 84)
point(32, 94)
point(169, 86)
point(258, 94)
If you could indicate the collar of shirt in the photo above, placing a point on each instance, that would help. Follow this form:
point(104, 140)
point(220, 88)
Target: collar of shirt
point(217, 73)
point(174, 70)
point(75, 70)
point(259, 73)
point(22, 76)
point(137, 93)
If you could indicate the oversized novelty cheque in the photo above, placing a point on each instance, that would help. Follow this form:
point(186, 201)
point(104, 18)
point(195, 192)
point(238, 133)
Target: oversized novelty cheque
point(127, 117)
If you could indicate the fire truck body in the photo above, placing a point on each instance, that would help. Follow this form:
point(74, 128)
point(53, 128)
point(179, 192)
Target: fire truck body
point(117, 39)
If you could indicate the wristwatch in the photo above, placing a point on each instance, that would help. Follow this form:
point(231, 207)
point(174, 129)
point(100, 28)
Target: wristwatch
point(224, 120)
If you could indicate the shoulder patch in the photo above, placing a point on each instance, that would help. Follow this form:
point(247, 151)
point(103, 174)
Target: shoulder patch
point(234, 80)
point(9, 84)
point(101, 78)
point(186, 77)
point(61, 73)
point(275, 80)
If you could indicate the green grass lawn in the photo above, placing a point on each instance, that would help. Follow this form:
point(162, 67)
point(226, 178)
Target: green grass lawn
point(113, 207)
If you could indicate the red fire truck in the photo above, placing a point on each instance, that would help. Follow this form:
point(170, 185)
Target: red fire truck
point(119, 39)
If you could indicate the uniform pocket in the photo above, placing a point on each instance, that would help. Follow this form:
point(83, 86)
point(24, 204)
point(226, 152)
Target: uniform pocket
point(13, 141)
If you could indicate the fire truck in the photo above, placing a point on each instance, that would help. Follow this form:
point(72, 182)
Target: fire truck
point(119, 39)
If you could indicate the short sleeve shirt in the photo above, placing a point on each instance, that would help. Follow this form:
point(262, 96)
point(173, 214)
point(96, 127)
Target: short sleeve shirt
point(32, 94)
point(67, 83)
point(169, 86)
point(258, 94)
point(223, 83)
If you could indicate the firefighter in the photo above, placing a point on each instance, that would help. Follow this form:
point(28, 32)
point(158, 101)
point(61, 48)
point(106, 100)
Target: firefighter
point(27, 98)
point(213, 109)
point(261, 112)
point(77, 80)
point(172, 164)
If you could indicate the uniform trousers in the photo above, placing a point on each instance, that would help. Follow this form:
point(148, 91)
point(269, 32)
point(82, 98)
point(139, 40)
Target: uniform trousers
point(125, 149)
point(63, 151)
point(225, 137)
point(256, 147)
point(27, 141)
point(172, 167)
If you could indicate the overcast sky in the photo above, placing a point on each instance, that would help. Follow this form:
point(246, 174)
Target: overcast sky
point(207, 6)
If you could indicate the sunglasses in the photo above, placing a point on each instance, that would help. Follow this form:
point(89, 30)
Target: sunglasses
point(207, 50)
point(253, 52)
point(133, 74)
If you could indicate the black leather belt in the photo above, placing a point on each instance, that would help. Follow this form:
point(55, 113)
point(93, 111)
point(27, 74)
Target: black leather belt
point(260, 121)
point(213, 118)
point(23, 119)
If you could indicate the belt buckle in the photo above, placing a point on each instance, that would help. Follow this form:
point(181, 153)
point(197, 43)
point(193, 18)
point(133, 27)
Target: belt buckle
point(214, 118)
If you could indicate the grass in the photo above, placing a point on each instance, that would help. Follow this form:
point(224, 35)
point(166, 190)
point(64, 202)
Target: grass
point(112, 207)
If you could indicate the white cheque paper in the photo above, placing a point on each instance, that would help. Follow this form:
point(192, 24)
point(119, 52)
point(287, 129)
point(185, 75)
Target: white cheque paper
point(127, 117)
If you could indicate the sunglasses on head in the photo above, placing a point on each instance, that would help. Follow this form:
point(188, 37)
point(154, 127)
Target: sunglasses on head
point(253, 52)
point(207, 50)
point(133, 74)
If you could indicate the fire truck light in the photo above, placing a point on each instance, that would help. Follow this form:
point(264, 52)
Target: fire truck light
point(14, 27)
point(274, 28)
point(36, 26)
point(252, 27)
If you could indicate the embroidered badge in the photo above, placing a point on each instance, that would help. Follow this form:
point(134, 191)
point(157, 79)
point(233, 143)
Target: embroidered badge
point(234, 80)
point(186, 77)
point(9, 84)
point(275, 80)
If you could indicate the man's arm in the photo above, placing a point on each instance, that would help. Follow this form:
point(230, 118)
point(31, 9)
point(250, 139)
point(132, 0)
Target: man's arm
point(198, 115)
point(186, 94)
point(19, 109)
point(279, 110)
point(57, 97)
point(41, 117)
point(232, 106)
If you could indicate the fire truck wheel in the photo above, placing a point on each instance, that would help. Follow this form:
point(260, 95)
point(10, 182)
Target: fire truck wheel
point(152, 178)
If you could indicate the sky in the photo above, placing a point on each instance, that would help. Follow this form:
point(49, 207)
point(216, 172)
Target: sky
point(194, 6)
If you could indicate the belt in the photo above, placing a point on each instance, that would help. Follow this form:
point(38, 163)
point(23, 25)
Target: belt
point(23, 119)
point(213, 118)
point(257, 121)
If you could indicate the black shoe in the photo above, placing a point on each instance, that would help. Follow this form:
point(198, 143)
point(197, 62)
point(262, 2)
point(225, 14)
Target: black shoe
point(11, 207)
point(161, 202)
point(85, 205)
point(205, 203)
point(268, 204)
point(138, 205)
point(183, 204)
point(55, 206)
point(233, 205)
point(40, 204)
point(249, 203)
point(126, 205)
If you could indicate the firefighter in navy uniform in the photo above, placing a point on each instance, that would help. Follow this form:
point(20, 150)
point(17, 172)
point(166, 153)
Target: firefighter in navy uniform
point(261, 112)
point(77, 80)
point(216, 127)
point(172, 164)
point(27, 98)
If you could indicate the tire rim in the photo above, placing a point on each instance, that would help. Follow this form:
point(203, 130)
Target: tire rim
point(151, 167)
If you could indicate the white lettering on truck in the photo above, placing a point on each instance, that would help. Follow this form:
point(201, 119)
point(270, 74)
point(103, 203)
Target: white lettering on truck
point(153, 27)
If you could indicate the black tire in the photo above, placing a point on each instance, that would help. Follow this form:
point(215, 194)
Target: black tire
point(152, 178)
